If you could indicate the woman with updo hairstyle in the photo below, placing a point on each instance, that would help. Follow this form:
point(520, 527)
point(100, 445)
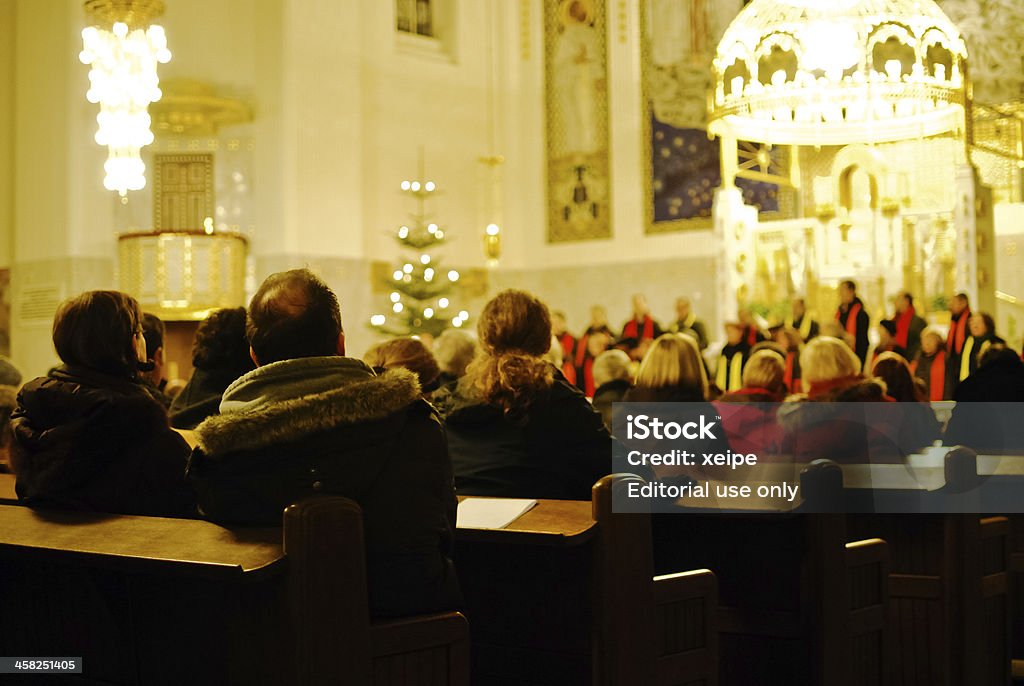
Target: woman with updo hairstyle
point(516, 428)
point(220, 355)
point(88, 436)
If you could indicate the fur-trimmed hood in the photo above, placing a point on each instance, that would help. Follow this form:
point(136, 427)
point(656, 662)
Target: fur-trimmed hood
point(286, 401)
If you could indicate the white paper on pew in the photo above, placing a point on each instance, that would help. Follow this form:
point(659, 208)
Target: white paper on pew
point(491, 513)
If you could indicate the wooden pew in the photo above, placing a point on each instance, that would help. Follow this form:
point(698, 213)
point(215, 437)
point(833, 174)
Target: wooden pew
point(147, 600)
point(799, 603)
point(566, 595)
point(949, 611)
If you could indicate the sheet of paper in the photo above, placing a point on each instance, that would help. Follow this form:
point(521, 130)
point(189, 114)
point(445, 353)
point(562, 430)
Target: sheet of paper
point(491, 513)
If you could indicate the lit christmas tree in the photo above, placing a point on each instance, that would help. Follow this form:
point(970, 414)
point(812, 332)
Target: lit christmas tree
point(420, 287)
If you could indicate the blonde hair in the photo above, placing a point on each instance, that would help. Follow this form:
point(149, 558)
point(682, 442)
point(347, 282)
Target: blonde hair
point(936, 332)
point(673, 360)
point(826, 358)
point(611, 365)
point(765, 369)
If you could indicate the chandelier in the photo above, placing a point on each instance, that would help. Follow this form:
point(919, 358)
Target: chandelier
point(834, 72)
point(123, 47)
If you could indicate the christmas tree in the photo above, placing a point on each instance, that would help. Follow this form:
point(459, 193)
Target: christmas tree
point(420, 288)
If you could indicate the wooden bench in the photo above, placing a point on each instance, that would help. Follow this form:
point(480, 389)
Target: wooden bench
point(7, 494)
point(147, 600)
point(566, 595)
point(949, 610)
point(799, 602)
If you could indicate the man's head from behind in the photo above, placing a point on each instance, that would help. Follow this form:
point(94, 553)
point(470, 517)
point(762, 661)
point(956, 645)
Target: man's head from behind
point(294, 314)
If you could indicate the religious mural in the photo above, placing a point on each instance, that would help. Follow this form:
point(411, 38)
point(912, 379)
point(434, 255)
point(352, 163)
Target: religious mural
point(577, 120)
point(679, 39)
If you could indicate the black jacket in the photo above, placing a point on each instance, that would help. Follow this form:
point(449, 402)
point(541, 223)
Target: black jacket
point(87, 441)
point(199, 399)
point(863, 323)
point(558, 450)
point(608, 393)
point(986, 416)
point(365, 437)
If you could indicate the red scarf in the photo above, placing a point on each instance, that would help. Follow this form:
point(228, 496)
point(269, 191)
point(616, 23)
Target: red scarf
point(567, 341)
point(819, 388)
point(787, 377)
point(751, 336)
point(581, 349)
point(851, 318)
point(903, 326)
point(937, 374)
point(632, 327)
point(958, 334)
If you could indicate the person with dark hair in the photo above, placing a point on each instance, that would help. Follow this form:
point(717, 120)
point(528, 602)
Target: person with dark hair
point(908, 326)
point(640, 330)
point(88, 436)
point(516, 429)
point(854, 318)
point(309, 421)
point(976, 422)
point(152, 376)
point(801, 320)
point(960, 315)
point(919, 426)
point(981, 328)
point(220, 355)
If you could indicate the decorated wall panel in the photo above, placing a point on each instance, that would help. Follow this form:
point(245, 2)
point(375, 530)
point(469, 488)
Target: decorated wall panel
point(576, 80)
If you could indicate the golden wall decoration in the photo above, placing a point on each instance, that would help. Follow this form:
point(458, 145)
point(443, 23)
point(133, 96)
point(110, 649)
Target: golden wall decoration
point(576, 98)
point(183, 275)
point(182, 191)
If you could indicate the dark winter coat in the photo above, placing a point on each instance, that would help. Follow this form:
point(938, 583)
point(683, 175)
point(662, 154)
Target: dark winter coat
point(329, 425)
point(199, 399)
point(87, 441)
point(607, 394)
point(558, 450)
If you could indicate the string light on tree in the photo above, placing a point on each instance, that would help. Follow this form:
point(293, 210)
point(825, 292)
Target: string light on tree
point(420, 291)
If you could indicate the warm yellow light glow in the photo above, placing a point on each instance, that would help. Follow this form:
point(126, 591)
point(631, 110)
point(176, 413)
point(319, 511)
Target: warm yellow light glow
point(836, 72)
point(453, 275)
point(378, 319)
point(123, 80)
point(493, 230)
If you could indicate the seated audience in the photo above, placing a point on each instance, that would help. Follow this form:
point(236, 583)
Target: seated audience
point(929, 367)
point(152, 377)
point(515, 428)
point(453, 350)
point(9, 374)
point(842, 416)
point(613, 375)
point(748, 414)
point(219, 356)
point(920, 427)
point(88, 436)
point(987, 426)
point(310, 421)
point(407, 353)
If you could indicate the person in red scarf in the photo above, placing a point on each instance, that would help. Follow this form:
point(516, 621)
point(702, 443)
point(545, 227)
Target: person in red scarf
point(560, 330)
point(960, 312)
point(640, 328)
point(592, 343)
point(907, 339)
point(929, 367)
point(854, 318)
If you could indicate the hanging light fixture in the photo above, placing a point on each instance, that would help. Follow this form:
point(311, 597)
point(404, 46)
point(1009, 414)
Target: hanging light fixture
point(834, 72)
point(124, 47)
